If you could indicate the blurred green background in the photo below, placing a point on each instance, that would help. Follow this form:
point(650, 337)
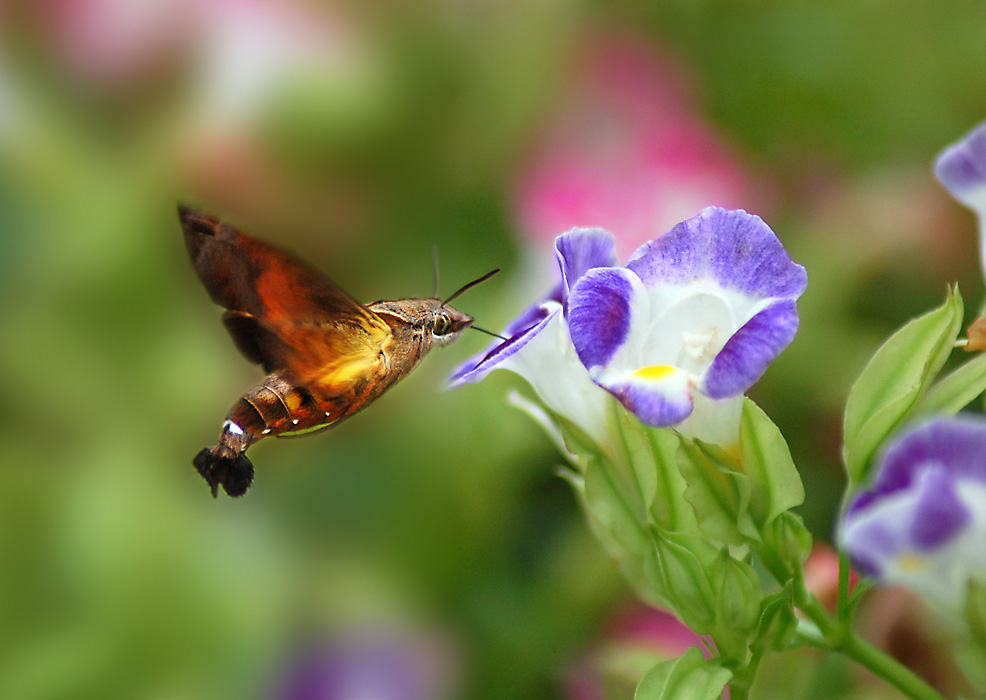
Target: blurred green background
point(358, 135)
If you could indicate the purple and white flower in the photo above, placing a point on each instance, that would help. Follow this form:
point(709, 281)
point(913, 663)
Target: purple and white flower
point(702, 310)
point(677, 336)
point(923, 523)
point(961, 168)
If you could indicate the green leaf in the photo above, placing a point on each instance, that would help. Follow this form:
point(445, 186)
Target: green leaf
point(972, 653)
point(894, 379)
point(767, 461)
point(718, 493)
point(954, 392)
point(975, 612)
point(690, 677)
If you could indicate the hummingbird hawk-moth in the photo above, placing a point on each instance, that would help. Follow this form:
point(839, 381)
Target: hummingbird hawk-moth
point(326, 355)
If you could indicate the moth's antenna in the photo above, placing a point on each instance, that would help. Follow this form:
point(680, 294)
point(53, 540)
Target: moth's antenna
point(470, 285)
point(434, 268)
point(483, 330)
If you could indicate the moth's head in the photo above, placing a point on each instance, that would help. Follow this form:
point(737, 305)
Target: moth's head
point(446, 324)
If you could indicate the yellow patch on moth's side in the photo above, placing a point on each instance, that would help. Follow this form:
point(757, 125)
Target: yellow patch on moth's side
point(654, 373)
point(344, 373)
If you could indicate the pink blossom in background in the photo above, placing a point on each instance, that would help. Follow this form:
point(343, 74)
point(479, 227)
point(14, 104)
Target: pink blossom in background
point(627, 151)
point(237, 53)
point(249, 48)
point(218, 67)
point(654, 634)
point(822, 575)
point(108, 43)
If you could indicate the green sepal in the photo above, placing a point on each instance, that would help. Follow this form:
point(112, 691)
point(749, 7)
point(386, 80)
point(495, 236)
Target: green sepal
point(633, 449)
point(893, 381)
point(952, 393)
point(766, 459)
point(620, 529)
point(682, 569)
point(778, 623)
point(786, 544)
point(738, 596)
point(718, 492)
point(689, 677)
point(575, 440)
point(669, 510)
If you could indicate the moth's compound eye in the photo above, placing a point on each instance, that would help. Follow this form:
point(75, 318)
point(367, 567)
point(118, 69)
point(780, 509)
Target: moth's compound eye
point(443, 324)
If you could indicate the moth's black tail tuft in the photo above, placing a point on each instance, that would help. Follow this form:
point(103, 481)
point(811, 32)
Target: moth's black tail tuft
point(221, 465)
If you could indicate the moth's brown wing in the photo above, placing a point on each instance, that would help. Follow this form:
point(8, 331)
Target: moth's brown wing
point(281, 312)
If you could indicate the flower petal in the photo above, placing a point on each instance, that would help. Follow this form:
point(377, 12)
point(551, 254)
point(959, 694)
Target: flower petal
point(746, 355)
point(582, 249)
point(599, 313)
point(549, 364)
point(958, 443)
point(716, 421)
point(924, 524)
point(873, 542)
point(524, 328)
point(961, 168)
point(736, 249)
point(659, 395)
point(939, 513)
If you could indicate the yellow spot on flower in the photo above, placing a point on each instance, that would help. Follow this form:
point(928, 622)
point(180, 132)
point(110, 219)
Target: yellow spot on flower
point(653, 373)
point(910, 562)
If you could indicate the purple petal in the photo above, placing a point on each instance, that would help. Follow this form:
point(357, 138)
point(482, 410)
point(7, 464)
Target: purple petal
point(865, 565)
point(961, 167)
point(861, 502)
point(525, 327)
point(532, 314)
point(736, 249)
point(582, 249)
point(939, 513)
point(871, 545)
point(658, 404)
point(387, 669)
point(599, 314)
point(958, 444)
point(746, 355)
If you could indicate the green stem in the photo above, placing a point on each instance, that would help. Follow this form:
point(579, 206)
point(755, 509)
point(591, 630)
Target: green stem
point(838, 637)
point(888, 668)
point(739, 691)
point(843, 599)
point(742, 681)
